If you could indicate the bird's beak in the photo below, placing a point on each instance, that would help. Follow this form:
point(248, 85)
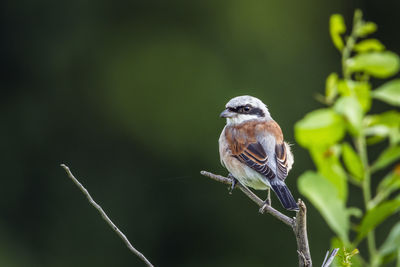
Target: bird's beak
point(227, 114)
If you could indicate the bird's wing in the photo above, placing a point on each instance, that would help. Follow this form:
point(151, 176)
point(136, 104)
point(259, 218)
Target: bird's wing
point(246, 141)
point(281, 161)
point(255, 157)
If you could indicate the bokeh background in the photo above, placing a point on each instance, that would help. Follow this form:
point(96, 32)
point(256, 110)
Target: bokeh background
point(127, 94)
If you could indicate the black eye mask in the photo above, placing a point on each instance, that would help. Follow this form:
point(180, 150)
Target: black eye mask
point(248, 109)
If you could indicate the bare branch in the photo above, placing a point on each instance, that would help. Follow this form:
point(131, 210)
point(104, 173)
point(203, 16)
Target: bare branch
point(105, 217)
point(300, 230)
point(298, 224)
point(263, 208)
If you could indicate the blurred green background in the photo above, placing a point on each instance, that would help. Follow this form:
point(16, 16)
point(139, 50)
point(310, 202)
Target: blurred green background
point(127, 94)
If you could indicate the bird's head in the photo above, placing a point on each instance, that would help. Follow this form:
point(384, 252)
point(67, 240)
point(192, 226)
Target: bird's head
point(245, 108)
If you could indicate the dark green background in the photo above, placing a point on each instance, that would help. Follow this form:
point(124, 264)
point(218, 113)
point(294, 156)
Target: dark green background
point(128, 93)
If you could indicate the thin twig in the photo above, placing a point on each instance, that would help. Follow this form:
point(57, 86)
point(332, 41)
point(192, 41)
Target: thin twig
point(105, 217)
point(328, 260)
point(265, 208)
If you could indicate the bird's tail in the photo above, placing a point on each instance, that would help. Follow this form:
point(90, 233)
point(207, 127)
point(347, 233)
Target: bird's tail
point(284, 195)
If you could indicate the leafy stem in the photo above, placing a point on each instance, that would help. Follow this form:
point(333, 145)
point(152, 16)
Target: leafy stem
point(350, 42)
point(349, 99)
point(366, 188)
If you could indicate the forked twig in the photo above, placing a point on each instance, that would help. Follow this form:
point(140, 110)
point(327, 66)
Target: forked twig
point(298, 224)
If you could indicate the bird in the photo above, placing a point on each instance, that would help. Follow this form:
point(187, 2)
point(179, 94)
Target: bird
point(253, 150)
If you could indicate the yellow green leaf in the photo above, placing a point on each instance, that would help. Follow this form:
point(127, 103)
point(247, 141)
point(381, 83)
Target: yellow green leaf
point(369, 45)
point(376, 215)
point(331, 85)
point(321, 127)
point(322, 195)
point(336, 28)
point(389, 92)
point(387, 157)
point(377, 64)
point(352, 162)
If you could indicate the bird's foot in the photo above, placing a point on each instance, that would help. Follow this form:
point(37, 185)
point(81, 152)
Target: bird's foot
point(267, 202)
point(234, 182)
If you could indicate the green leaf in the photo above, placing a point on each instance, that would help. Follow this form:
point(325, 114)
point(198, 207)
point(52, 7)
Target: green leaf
point(387, 157)
point(331, 89)
point(366, 28)
point(336, 28)
point(389, 92)
point(321, 127)
point(389, 118)
point(374, 140)
point(356, 212)
point(376, 215)
point(322, 195)
point(360, 90)
point(377, 64)
point(392, 242)
point(384, 125)
point(351, 109)
point(369, 45)
point(329, 166)
point(352, 162)
point(377, 130)
point(389, 184)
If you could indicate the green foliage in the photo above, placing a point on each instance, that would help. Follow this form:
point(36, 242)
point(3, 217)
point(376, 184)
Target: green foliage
point(392, 241)
point(321, 127)
point(328, 164)
point(377, 64)
point(358, 89)
point(352, 162)
point(388, 185)
point(388, 156)
point(323, 195)
point(344, 257)
point(324, 133)
point(369, 45)
point(383, 125)
point(376, 215)
point(351, 110)
point(389, 92)
point(337, 27)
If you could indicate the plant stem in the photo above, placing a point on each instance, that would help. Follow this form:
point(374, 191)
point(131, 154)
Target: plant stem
point(360, 141)
point(366, 188)
point(350, 42)
point(346, 55)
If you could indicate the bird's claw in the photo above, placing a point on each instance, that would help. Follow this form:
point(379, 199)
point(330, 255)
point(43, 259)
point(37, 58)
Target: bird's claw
point(267, 202)
point(234, 182)
point(262, 209)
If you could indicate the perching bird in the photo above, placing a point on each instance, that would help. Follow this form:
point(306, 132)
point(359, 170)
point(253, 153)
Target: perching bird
point(252, 148)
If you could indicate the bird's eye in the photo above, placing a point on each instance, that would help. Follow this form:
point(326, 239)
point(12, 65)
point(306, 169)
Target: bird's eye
point(246, 109)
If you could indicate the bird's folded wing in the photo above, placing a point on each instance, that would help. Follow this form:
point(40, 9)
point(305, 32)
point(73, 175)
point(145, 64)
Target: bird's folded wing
point(281, 161)
point(255, 157)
